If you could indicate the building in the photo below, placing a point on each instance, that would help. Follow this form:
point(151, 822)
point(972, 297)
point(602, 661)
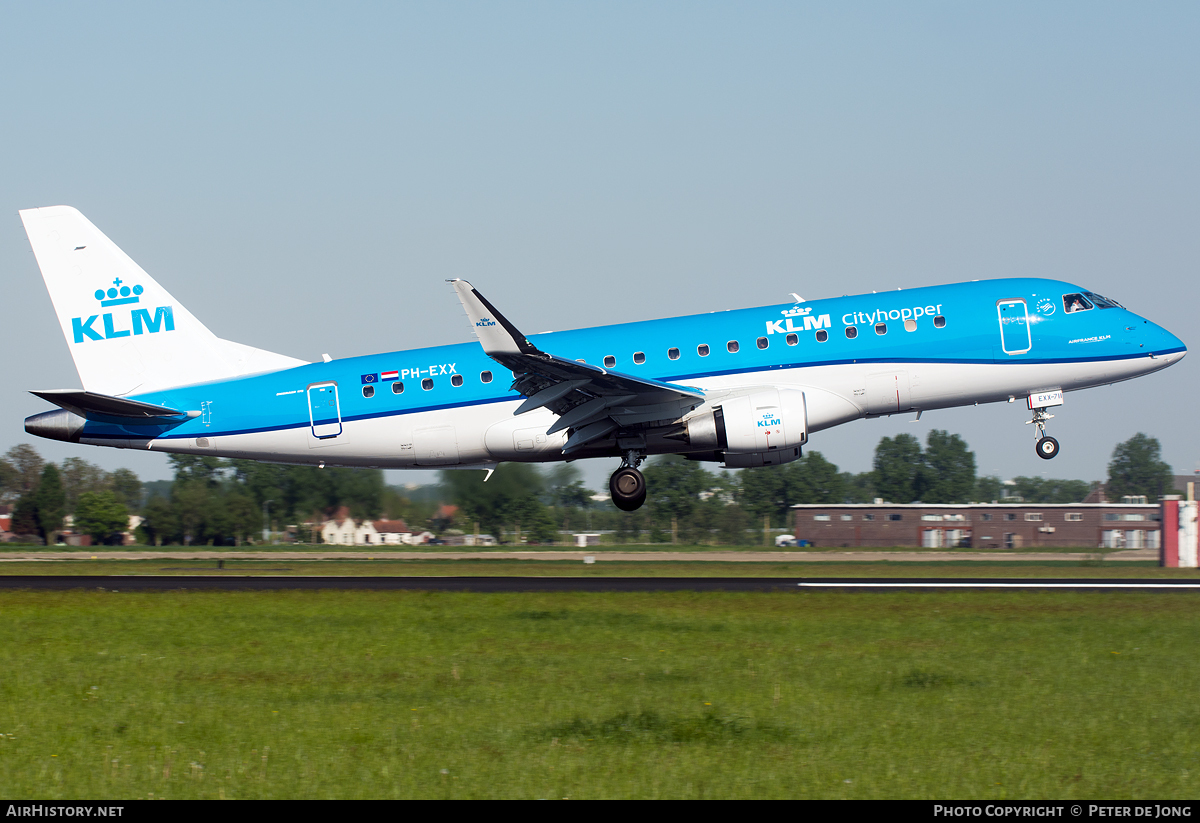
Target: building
point(344, 530)
point(979, 525)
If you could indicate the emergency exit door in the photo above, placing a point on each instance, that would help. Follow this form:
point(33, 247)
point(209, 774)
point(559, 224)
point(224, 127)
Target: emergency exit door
point(1014, 327)
point(323, 411)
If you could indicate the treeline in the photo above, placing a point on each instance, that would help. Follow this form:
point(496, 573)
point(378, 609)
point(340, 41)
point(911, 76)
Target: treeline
point(213, 501)
point(690, 504)
point(43, 494)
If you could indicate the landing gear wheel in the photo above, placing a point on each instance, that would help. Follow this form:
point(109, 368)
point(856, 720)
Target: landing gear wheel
point(1047, 448)
point(628, 489)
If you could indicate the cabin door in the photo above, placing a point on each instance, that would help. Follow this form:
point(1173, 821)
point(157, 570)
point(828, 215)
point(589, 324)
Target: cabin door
point(1014, 327)
point(324, 413)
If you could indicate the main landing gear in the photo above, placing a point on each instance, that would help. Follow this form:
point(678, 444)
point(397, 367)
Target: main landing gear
point(627, 485)
point(1046, 447)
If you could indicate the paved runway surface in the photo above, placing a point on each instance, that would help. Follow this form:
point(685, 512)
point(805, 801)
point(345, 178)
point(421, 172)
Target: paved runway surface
point(128, 583)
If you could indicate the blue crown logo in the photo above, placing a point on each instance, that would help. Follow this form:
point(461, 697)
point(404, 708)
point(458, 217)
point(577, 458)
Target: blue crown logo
point(118, 295)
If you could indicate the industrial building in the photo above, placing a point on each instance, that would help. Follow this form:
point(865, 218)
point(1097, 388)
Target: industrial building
point(979, 525)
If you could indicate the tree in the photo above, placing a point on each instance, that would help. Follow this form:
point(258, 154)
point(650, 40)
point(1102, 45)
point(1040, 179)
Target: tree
point(1042, 490)
point(28, 464)
point(860, 488)
point(79, 476)
point(100, 514)
point(160, 524)
point(127, 487)
point(25, 515)
point(674, 485)
point(950, 475)
point(505, 499)
point(765, 493)
point(813, 479)
point(51, 503)
point(988, 489)
point(10, 481)
point(1137, 468)
point(899, 474)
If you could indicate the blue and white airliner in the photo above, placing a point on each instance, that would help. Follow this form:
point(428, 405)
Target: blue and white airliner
point(744, 387)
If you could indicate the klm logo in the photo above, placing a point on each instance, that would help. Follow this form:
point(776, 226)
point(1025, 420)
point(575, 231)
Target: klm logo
point(769, 422)
point(140, 321)
point(793, 317)
point(485, 322)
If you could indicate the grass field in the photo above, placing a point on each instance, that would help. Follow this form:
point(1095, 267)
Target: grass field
point(397, 694)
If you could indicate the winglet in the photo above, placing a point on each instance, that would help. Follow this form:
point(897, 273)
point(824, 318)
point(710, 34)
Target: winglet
point(495, 333)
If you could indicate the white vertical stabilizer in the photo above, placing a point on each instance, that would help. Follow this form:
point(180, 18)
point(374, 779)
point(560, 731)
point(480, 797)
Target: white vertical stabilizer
point(126, 333)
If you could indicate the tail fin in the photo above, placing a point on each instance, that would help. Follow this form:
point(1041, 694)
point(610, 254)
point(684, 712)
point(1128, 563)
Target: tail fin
point(127, 334)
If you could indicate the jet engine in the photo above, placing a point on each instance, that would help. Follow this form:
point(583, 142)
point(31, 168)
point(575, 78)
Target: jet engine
point(764, 427)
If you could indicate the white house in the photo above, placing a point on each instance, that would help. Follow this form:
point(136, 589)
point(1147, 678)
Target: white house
point(346, 531)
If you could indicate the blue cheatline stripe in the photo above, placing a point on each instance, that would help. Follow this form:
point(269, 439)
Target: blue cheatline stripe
point(716, 373)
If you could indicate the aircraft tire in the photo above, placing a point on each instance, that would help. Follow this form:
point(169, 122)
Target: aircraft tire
point(628, 489)
point(1047, 448)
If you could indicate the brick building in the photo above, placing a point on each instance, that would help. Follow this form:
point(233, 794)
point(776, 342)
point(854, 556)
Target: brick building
point(979, 525)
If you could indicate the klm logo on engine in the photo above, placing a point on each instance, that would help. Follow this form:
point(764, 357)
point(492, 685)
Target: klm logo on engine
point(139, 321)
point(769, 421)
point(793, 317)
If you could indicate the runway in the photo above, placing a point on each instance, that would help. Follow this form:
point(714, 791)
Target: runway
point(144, 583)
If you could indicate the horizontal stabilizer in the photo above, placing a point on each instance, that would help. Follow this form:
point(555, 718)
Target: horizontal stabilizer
point(91, 405)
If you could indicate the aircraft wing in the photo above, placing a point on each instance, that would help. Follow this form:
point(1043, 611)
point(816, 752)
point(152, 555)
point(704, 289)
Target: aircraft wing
point(590, 401)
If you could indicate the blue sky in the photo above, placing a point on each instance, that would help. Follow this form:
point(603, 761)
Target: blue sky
point(304, 177)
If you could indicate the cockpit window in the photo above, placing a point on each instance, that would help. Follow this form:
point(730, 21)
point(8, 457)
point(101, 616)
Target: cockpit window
point(1076, 302)
point(1101, 301)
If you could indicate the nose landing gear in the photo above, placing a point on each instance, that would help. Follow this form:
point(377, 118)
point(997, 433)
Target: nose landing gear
point(627, 485)
point(1046, 446)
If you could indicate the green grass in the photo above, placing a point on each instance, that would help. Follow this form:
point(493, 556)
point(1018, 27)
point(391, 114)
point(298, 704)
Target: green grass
point(400, 694)
point(1084, 567)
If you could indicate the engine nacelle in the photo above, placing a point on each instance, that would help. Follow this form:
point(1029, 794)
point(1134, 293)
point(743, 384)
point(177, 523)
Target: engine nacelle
point(760, 428)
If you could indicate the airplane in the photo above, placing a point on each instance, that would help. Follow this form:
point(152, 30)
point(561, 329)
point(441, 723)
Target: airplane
point(743, 387)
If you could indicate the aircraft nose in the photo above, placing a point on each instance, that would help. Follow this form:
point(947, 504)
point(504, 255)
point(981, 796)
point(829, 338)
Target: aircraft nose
point(1162, 342)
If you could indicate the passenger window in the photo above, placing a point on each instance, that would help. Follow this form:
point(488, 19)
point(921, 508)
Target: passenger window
point(793, 339)
point(609, 361)
point(910, 325)
point(397, 388)
point(427, 383)
point(673, 354)
point(852, 332)
point(939, 322)
point(485, 377)
point(456, 380)
point(881, 328)
point(1075, 302)
point(702, 350)
point(368, 391)
point(762, 343)
point(732, 346)
point(639, 357)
